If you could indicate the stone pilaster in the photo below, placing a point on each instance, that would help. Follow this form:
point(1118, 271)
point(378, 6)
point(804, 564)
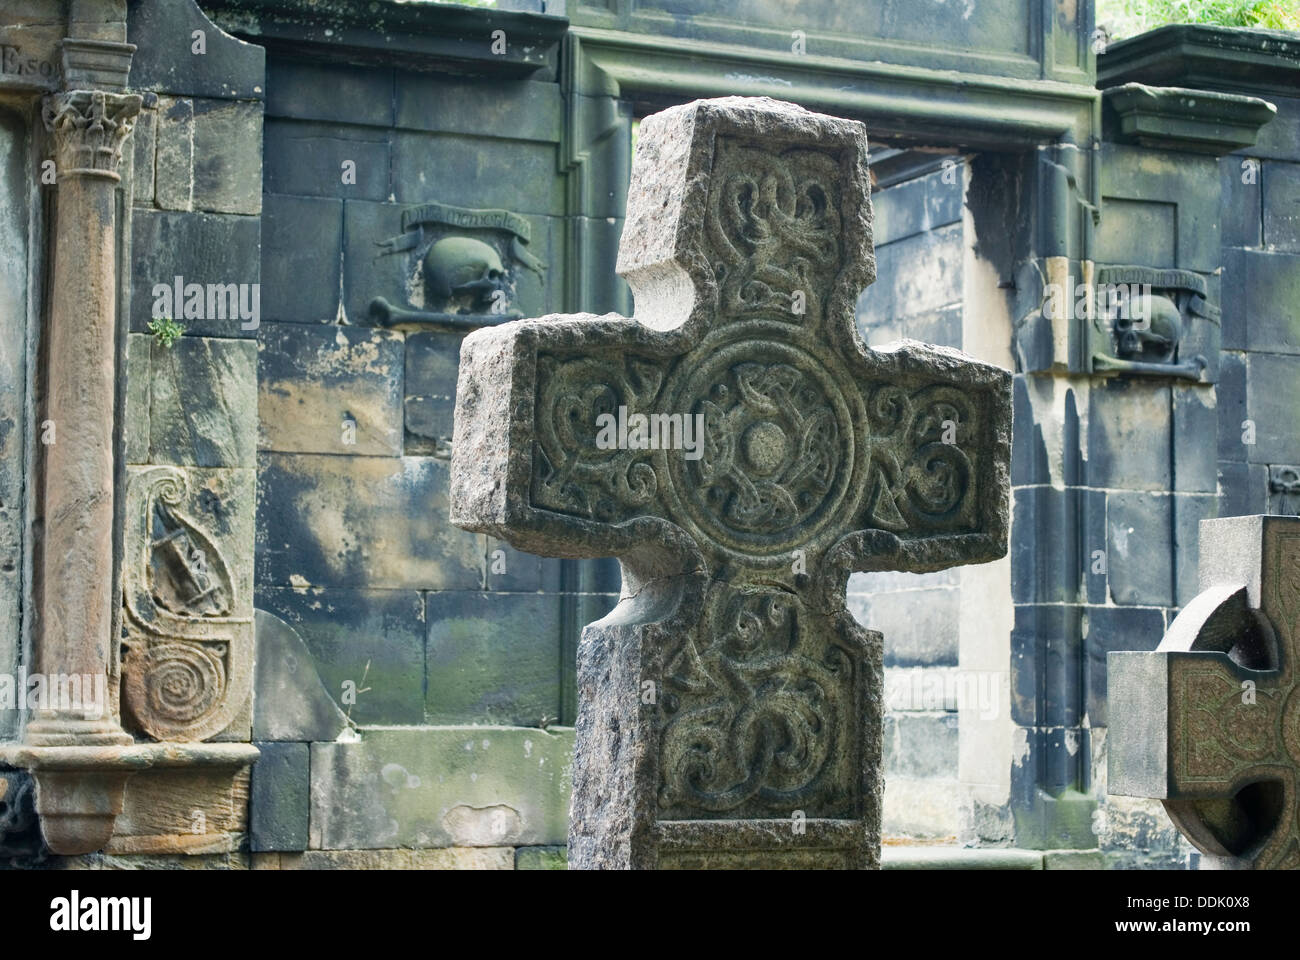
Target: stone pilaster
point(74, 745)
point(88, 130)
point(78, 807)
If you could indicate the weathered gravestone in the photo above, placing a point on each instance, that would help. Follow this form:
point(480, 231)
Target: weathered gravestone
point(1209, 722)
point(730, 707)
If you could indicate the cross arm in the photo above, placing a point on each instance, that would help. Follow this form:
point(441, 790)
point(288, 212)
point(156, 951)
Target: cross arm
point(937, 488)
point(504, 375)
point(1209, 722)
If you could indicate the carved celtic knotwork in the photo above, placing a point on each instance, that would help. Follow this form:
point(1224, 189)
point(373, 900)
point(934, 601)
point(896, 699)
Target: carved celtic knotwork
point(731, 690)
point(751, 714)
point(781, 444)
point(90, 127)
point(778, 445)
point(574, 474)
point(187, 657)
point(921, 477)
point(1220, 746)
point(773, 223)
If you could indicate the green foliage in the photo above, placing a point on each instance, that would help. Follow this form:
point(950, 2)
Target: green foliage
point(167, 330)
point(1127, 18)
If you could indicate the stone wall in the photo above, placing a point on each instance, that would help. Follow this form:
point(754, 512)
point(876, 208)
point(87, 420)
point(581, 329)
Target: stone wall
point(191, 405)
point(412, 682)
point(1158, 457)
point(948, 727)
point(445, 650)
point(1260, 372)
point(1110, 477)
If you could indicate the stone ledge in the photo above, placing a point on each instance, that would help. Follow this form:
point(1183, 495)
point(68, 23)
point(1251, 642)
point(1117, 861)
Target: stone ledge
point(129, 759)
point(1178, 118)
point(425, 36)
point(80, 789)
point(959, 858)
point(433, 858)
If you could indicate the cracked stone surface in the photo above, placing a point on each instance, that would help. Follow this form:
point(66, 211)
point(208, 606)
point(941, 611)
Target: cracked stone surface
point(730, 706)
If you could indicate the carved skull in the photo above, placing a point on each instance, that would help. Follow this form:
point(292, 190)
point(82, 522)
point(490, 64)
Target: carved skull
point(1147, 329)
point(455, 266)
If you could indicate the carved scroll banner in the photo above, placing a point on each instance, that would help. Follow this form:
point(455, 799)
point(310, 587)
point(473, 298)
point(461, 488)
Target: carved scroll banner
point(187, 665)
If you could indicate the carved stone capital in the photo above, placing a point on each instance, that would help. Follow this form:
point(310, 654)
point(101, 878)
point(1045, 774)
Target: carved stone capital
point(89, 128)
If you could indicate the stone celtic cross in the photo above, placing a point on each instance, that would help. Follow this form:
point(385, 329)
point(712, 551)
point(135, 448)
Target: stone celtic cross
point(730, 707)
point(1209, 722)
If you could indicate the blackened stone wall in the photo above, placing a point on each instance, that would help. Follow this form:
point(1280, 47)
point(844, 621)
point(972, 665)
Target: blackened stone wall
point(1260, 382)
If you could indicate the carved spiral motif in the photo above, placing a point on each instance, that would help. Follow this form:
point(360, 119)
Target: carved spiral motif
point(183, 682)
point(937, 477)
point(170, 489)
point(921, 475)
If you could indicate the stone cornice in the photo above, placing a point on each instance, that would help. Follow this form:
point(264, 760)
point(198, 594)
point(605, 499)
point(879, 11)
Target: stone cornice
point(1204, 57)
point(1052, 45)
point(436, 36)
point(912, 103)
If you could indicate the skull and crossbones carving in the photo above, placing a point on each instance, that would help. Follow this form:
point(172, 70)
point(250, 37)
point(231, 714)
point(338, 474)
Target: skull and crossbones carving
point(456, 266)
point(1147, 328)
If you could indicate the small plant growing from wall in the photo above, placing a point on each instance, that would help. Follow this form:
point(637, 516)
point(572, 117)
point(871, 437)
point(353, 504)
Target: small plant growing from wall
point(166, 329)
